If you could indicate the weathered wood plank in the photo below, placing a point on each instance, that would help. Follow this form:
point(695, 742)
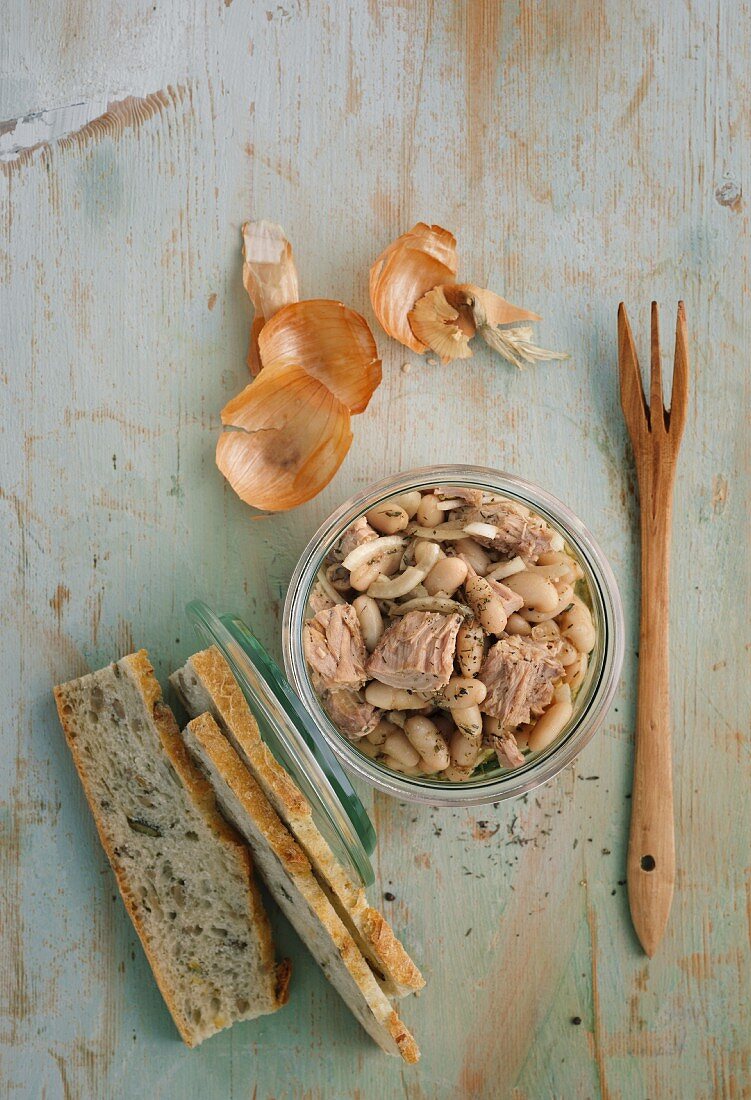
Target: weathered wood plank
point(583, 154)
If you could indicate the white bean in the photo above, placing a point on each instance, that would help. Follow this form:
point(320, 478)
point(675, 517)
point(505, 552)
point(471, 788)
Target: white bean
point(470, 647)
point(368, 552)
point(338, 577)
point(385, 588)
point(486, 604)
point(390, 562)
point(429, 513)
point(410, 502)
point(560, 557)
point(577, 626)
point(378, 735)
point(517, 625)
point(550, 724)
point(387, 517)
point(474, 554)
point(469, 721)
point(462, 692)
point(397, 766)
point(576, 672)
point(363, 576)
point(464, 750)
point(446, 576)
point(564, 601)
point(367, 747)
point(537, 592)
point(391, 698)
point(546, 632)
point(371, 621)
point(427, 740)
point(569, 654)
point(398, 745)
point(444, 725)
point(457, 774)
point(506, 569)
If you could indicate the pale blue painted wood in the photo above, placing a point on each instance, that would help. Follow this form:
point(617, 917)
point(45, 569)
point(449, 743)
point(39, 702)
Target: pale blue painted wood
point(583, 153)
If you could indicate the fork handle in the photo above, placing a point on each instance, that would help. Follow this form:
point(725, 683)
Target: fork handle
point(651, 850)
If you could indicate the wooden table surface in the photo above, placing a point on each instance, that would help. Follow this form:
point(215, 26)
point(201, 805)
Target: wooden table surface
point(583, 153)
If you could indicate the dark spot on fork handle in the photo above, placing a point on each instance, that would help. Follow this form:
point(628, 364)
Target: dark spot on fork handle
point(648, 863)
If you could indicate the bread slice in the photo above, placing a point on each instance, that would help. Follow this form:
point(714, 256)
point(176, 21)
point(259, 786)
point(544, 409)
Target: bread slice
point(292, 883)
point(206, 683)
point(184, 875)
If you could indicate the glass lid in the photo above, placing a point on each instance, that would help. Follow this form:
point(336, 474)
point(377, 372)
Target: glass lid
point(292, 737)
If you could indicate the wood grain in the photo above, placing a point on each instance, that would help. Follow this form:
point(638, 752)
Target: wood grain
point(656, 438)
point(584, 154)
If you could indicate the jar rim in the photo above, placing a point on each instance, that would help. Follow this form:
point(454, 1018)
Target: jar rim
point(602, 679)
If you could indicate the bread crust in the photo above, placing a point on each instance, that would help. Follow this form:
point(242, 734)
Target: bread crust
point(139, 668)
point(378, 940)
point(225, 761)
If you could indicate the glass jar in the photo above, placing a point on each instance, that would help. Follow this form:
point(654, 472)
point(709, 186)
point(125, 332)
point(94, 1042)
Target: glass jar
point(592, 701)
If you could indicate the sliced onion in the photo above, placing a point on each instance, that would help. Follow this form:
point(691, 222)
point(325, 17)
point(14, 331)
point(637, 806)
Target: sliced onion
point(371, 550)
point(481, 530)
point(506, 569)
point(388, 588)
point(443, 604)
point(444, 532)
point(328, 588)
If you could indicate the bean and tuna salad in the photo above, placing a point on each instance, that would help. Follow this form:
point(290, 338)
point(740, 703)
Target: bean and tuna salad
point(449, 632)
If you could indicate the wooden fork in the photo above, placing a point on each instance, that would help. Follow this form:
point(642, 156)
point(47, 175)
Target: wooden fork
point(655, 436)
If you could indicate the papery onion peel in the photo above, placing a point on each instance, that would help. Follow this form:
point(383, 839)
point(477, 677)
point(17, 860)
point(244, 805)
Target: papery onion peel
point(412, 265)
point(269, 277)
point(332, 343)
point(287, 433)
point(425, 310)
point(447, 317)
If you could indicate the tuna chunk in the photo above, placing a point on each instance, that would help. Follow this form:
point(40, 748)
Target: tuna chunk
point(333, 646)
point(347, 709)
point(319, 600)
point(356, 534)
point(519, 534)
point(417, 651)
point(453, 492)
point(520, 676)
point(508, 752)
point(511, 601)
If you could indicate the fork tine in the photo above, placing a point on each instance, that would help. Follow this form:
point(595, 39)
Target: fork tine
point(633, 401)
point(656, 406)
point(676, 418)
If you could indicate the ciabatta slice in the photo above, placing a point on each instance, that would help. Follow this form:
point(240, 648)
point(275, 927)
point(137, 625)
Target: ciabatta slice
point(206, 684)
point(184, 875)
point(298, 893)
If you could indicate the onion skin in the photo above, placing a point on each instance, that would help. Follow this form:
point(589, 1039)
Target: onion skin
point(407, 269)
point(289, 431)
point(269, 277)
point(291, 437)
point(331, 343)
point(444, 319)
